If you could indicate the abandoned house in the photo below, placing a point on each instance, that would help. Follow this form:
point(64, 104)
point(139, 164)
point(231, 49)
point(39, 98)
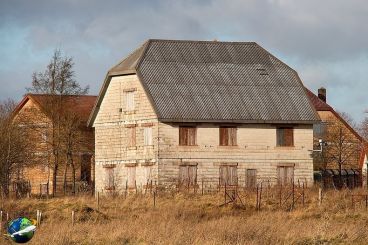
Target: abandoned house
point(344, 150)
point(34, 113)
point(201, 113)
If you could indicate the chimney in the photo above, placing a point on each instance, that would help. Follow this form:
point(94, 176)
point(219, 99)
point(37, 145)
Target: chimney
point(322, 94)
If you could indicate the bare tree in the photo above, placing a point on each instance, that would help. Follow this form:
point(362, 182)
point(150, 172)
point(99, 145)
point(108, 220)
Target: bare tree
point(343, 147)
point(13, 147)
point(57, 81)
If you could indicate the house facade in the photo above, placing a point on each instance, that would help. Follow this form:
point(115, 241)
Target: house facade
point(198, 113)
point(344, 146)
point(33, 115)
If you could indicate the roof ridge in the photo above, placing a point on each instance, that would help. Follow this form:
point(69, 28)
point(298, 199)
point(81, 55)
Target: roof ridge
point(79, 95)
point(129, 55)
point(200, 41)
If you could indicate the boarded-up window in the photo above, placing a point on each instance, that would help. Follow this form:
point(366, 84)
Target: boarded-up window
point(228, 175)
point(285, 174)
point(131, 139)
point(109, 177)
point(86, 167)
point(228, 136)
point(251, 178)
point(285, 136)
point(131, 177)
point(187, 175)
point(147, 175)
point(187, 135)
point(147, 133)
point(130, 100)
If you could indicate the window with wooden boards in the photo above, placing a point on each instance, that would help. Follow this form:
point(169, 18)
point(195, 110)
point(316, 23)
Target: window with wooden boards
point(147, 135)
point(187, 175)
point(285, 136)
point(285, 174)
point(109, 176)
point(131, 136)
point(251, 178)
point(129, 100)
point(131, 174)
point(187, 135)
point(228, 175)
point(228, 136)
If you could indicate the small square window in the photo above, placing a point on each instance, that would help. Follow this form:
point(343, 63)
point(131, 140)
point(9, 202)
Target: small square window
point(228, 136)
point(285, 136)
point(187, 135)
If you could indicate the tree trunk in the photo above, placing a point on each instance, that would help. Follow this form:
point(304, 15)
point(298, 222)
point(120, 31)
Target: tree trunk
point(64, 181)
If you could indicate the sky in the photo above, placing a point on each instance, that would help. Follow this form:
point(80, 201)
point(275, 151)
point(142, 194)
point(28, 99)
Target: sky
point(326, 42)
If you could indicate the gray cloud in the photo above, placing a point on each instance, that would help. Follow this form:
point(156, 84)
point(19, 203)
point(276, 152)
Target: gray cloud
point(325, 41)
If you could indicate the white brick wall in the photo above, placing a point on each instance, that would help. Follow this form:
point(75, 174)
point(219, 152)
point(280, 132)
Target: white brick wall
point(256, 147)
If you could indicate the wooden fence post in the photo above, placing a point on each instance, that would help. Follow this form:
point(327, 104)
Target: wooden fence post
point(292, 207)
point(257, 199)
point(303, 197)
point(1, 220)
point(154, 198)
point(98, 201)
point(202, 188)
point(320, 196)
point(73, 216)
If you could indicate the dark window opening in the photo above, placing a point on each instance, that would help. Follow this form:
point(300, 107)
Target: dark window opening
point(228, 136)
point(285, 136)
point(187, 135)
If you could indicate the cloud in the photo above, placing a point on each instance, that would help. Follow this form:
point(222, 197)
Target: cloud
point(325, 41)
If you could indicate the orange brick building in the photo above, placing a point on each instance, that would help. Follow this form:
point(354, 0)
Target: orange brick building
point(33, 114)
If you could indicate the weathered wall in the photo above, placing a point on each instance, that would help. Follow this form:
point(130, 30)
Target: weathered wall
point(112, 127)
point(256, 149)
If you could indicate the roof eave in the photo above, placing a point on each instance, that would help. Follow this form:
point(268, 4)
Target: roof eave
point(176, 120)
point(103, 90)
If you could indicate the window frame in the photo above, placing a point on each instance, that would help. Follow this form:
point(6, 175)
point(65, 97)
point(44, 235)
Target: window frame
point(285, 179)
point(129, 99)
point(185, 137)
point(131, 134)
point(285, 136)
point(147, 137)
point(190, 181)
point(109, 182)
point(251, 180)
point(225, 178)
point(228, 136)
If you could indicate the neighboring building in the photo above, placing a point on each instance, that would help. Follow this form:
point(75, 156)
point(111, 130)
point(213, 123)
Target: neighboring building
point(32, 114)
point(182, 112)
point(344, 144)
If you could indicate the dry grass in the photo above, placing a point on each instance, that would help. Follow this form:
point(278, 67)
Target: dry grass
point(189, 219)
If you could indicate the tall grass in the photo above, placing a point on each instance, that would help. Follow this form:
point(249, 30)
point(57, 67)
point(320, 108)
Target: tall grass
point(196, 219)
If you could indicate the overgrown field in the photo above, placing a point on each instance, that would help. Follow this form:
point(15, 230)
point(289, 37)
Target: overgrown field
point(196, 219)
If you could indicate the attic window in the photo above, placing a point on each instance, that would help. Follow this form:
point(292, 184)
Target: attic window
point(129, 100)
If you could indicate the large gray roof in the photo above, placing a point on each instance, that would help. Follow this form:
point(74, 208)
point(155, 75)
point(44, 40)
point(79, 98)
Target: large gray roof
point(211, 81)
